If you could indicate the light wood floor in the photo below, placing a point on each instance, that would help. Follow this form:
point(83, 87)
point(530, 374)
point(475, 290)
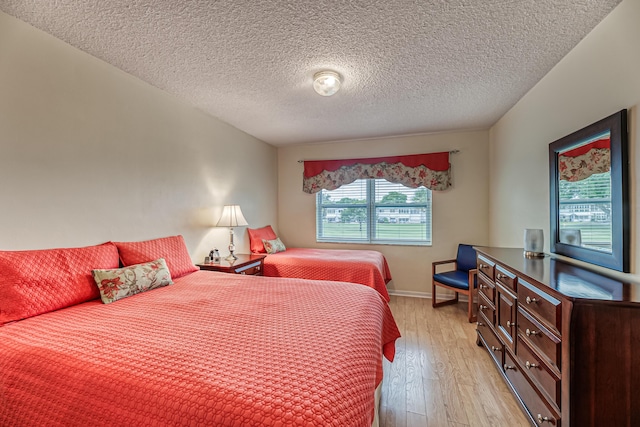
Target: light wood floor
point(440, 377)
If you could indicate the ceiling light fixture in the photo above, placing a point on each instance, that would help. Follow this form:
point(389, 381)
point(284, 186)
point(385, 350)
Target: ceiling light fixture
point(326, 83)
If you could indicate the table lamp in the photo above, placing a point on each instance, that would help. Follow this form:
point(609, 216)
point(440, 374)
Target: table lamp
point(231, 217)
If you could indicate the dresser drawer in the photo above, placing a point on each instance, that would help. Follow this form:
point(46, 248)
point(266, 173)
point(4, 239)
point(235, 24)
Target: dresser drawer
point(506, 278)
point(494, 346)
point(537, 369)
point(486, 267)
point(541, 338)
point(487, 308)
point(487, 288)
point(543, 306)
point(536, 406)
point(506, 317)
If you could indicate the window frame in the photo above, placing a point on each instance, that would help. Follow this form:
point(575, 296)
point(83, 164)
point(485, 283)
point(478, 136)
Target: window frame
point(370, 206)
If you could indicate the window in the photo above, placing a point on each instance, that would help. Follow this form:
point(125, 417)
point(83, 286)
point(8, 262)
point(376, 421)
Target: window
point(374, 211)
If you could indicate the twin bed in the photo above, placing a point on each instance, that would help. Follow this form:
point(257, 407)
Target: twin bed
point(367, 268)
point(363, 267)
point(208, 349)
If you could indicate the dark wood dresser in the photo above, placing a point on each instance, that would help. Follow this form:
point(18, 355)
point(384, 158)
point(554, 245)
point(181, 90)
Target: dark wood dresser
point(565, 339)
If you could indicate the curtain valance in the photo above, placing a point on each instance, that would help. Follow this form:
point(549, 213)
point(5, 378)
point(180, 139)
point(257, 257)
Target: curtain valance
point(431, 170)
point(586, 160)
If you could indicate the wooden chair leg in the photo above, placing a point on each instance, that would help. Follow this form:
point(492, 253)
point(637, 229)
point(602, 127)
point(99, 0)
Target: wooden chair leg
point(472, 317)
point(472, 293)
point(435, 304)
point(433, 295)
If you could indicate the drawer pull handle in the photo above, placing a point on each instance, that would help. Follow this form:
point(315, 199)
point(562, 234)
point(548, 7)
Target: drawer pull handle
point(482, 286)
point(530, 300)
point(480, 324)
point(258, 268)
point(494, 349)
point(482, 307)
point(242, 272)
point(507, 367)
point(530, 365)
point(481, 265)
point(510, 324)
point(530, 332)
point(542, 419)
point(500, 276)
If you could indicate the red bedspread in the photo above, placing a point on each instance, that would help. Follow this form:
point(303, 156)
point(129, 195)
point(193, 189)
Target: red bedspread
point(365, 267)
point(213, 349)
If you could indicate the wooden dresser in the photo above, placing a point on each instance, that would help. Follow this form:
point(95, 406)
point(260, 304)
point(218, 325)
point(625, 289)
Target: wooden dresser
point(565, 339)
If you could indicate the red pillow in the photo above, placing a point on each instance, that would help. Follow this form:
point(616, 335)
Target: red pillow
point(172, 249)
point(255, 238)
point(36, 282)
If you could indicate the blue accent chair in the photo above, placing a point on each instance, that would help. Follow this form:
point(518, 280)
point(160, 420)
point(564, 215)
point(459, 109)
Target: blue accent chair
point(461, 280)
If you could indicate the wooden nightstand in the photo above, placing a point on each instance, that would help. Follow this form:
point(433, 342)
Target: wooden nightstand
point(252, 264)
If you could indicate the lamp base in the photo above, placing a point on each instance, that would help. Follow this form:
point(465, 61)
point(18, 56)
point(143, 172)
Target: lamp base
point(529, 254)
point(232, 248)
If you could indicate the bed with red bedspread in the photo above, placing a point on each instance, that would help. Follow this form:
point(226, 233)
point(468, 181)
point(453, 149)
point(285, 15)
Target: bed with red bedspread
point(209, 349)
point(356, 266)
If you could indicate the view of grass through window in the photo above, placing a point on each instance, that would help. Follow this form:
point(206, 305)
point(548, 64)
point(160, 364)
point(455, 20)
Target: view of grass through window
point(585, 211)
point(374, 211)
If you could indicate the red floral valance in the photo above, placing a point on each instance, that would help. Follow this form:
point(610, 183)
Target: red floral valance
point(586, 160)
point(429, 170)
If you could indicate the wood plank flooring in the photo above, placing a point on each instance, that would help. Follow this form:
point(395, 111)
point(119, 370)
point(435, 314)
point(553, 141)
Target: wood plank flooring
point(440, 377)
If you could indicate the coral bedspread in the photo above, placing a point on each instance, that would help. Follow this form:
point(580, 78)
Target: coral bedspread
point(356, 266)
point(212, 349)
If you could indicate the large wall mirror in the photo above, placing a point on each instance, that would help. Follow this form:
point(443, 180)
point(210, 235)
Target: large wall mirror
point(590, 194)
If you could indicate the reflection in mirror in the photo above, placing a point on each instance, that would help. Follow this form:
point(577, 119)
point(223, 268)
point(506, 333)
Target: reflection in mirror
point(589, 192)
point(584, 194)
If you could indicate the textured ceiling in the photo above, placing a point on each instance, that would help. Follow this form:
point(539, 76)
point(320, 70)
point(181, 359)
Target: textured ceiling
point(409, 66)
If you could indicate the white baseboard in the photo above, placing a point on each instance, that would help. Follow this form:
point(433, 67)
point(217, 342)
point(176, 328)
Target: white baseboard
point(412, 294)
point(415, 294)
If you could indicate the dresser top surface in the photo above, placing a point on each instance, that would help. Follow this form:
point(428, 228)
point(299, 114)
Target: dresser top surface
point(563, 278)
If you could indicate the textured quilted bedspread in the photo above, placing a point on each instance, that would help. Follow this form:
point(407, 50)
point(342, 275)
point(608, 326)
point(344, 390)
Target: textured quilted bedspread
point(213, 349)
point(365, 267)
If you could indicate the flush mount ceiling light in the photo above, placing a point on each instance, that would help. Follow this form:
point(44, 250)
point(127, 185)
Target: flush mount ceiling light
point(326, 83)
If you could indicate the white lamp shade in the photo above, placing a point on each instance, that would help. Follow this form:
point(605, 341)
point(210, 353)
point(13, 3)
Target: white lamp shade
point(231, 217)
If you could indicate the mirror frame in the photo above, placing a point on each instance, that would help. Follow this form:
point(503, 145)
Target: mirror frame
point(618, 259)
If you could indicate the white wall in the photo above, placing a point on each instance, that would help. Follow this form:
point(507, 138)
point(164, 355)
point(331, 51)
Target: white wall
point(89, 153)
point(599, 77)
point(460, 214)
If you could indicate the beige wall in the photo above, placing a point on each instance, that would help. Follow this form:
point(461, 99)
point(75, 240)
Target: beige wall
point(89, 153)
point(460, 214)
point(597, 78)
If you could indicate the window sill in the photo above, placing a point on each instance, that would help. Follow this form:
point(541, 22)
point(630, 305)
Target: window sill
point(378, 242)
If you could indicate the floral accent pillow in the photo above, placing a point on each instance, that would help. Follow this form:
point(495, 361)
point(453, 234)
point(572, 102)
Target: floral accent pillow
point(274, 246)
point(123, 282)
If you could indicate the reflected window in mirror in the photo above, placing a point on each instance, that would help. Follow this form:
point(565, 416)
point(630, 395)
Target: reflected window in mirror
point(584, 194)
